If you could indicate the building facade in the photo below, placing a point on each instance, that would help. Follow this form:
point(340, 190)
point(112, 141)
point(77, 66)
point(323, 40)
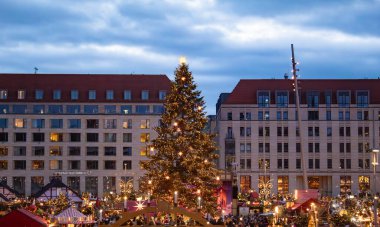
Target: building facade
point(90, 130)
point(260, 143)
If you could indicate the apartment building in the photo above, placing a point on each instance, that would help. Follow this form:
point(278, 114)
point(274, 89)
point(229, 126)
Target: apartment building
point(260, 141)
point(90, 130)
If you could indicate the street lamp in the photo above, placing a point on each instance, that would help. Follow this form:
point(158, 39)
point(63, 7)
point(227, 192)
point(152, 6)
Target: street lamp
point(375, 162)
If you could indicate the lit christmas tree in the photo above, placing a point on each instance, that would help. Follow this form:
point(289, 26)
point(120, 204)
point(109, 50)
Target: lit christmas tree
point(181, 168)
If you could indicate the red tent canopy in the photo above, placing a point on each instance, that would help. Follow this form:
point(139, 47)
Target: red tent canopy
point(22, 217)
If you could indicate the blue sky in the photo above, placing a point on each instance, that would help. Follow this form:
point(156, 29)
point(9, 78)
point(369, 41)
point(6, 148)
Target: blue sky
point(223, 41)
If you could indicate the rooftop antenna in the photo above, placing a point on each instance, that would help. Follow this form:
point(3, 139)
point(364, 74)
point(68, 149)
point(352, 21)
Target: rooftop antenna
point(35, 70)
point(295, 84)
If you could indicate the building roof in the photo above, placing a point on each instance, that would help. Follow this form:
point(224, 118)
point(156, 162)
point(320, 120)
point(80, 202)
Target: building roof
point(83, 83)
point(22, 217)
point(46, 192)
point(245, 91)
point(6, 192)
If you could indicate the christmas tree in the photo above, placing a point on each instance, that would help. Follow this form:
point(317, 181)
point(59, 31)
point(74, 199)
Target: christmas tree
point(181, 168)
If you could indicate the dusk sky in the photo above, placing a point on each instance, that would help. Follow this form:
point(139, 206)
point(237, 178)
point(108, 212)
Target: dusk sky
point(223, 41)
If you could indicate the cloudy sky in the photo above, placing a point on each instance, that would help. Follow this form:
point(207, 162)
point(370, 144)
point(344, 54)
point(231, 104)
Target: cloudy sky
point(224, 41)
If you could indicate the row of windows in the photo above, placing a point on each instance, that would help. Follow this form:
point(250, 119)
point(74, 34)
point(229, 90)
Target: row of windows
point(312, 132)
point(91, 183)
point(313, 98)
point(312, 163)
point(78, 109)
point(72, 137)
point(74, 94)
point(71, 164)
point(363, 147)
point(73, 123)
point(71, 151)
point(312, 115)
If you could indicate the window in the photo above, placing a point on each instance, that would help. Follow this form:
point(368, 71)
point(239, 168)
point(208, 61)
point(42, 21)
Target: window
point(38, 151)
point(127, 95)
point(38, 109)
point(229, 116)
point(142, 109)
point(145, 124)
point(362, 98)
point(127, 137)
point(91, 109)
point(19, 109)
point(109, 137)
point(92, 164)
point(345, 185)
point(344, 99)
point(109, 184)
point(108, 164)
point(143, 151)
point(298, 147)
point(347, 116)
point(92, 123)
point(144, 137)
point(341, 115)
point(279, 163)
point(4, 109)
point(110, 151)
point(328, 98)
point(329, 163)
point(38, 123)
point(21, 94)
point(310, 131)
point(127, 165)
point(3, 94)
point(158, 109)
point(263, 99)
point(92, 137)
point(298, 163)
point(55, 109)
point(19, 164)
point(144, 95)
point(75, 137)
point(39, 94)
point(279, 131)
point(110, 109)
point(279, 115)
point(56, 137)
point(74, 94)
point(127, 151)
point(55, 151)
point(311, 148)
point(341, 131)
point(74, 164)
point(127, 123)
point(313, 115)
point(38, 137)
point(282, 98)
point(329, 147)
point(91, 94)
point(74, 123)
point(19, 184)
point(126, 109)
point(92, 185)
point(328, 115)
point(285, 115)
point(73, 109)
point(110, 123)
point(283, 184)
point(311, 164)
point(260, 115)
point(20, 123)
point(316, 163)
point(109, 94)
point(162, 95)
point(92, 151)
point(74, 151)
point(313, 99)
point(74, 183)
point(3, 151)
point(57, 94)
point(329, 131)
point(3, 164)
point(248, 131)
point(20, 137)
point(19, 151)
point(56, 123)
point(38, 164)
point(266, 115)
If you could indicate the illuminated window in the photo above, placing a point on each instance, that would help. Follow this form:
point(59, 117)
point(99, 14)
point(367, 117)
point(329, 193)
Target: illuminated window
point(55, 164)
point(245, 183)
point(20, 123)
point(283, 184)
point(21, 94)
point(313, 182)
point(55, 151)
point(3, 94)
point(345, 185)
point(56, 137)
point(3, 151)
point(364, 184)
point(3, 164)
point(38, 164)
point(144, 123)
point(110, 123)
point(143, 151)
point(264, 163)
point(144, 137)
point(127, 123)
